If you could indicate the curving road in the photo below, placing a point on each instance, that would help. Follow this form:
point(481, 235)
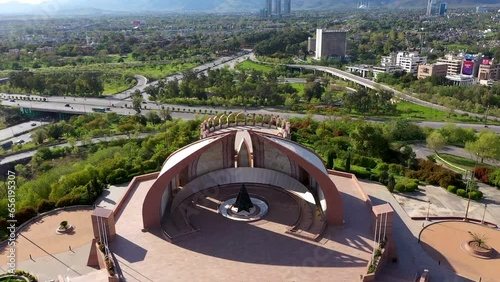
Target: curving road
point(142, 82)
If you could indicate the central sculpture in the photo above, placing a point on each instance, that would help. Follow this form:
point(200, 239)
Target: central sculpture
point(243, 207)
point(243, 201)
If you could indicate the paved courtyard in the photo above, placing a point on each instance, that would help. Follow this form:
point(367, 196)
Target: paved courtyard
point(443, 240)
point(50, 253)
point(223, 250)
point(444, 203)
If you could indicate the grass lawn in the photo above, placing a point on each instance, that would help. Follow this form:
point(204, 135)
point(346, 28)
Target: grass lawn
point(116, 86)
point(250, 65)
point(299, 87)
point(464, 163)
point(417, 112)
point(150, 70)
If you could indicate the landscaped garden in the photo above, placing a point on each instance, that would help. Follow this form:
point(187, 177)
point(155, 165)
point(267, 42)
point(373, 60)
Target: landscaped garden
point(380, 152)
point(77, 175)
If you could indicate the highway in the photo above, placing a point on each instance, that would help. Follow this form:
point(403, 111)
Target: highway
point(15, 132)
point(31, 153)
point(373, 85)
point(122, 105)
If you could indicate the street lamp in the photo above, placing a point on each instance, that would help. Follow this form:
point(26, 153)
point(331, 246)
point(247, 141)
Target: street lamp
point(428, 210)
point(484, 213)
point(470, 179)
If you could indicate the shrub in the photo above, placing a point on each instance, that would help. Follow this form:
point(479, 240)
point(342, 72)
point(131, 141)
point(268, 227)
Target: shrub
point(382, 166)
point(397, 169)
point(361, 173)
point(117, 176)
point(476, 195)
point(452, 189)
point(494, 178)
point(400, 187)
point(25, 214)
point(411, 187)
point(383, 177)
point(364, 161)
point(45, 206)
point(482, 173)
point(69, 200)
point(461, 193)
point(391, 183)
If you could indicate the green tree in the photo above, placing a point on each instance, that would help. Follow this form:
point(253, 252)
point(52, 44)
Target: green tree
point(367, 139)
point(348, 162)
point(330, 159)
point(435, 141)
point(137, 100)
point(487, 146)
point(391, 183)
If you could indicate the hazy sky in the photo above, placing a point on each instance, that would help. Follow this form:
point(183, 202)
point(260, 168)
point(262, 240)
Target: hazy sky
point(23, 1)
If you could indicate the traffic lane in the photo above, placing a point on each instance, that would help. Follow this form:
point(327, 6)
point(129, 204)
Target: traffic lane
point(422, 152)
point(477, 127)
point(10, 132)
point(21, 139)
point(84, 105)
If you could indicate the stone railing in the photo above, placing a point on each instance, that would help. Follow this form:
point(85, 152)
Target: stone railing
point(380, 262)
point(131, 187)
point(23, 226)
point(389, 248)
point(218, 122)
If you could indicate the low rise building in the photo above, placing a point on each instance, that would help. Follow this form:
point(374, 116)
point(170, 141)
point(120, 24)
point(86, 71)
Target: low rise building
point(489, 70)
point(461, 80)
point(409, 61)
point(367, 70)
point(388, 60)
point(427, 70)
point(453, 62)
point(45, 50)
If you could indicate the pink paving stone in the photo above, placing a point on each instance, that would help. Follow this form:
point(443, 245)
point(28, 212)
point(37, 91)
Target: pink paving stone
point(224, 250)
point(40, 238)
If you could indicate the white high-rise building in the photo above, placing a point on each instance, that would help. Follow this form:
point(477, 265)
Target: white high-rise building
point(409, 61)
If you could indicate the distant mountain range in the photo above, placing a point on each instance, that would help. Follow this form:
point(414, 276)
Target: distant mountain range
point(54, 7)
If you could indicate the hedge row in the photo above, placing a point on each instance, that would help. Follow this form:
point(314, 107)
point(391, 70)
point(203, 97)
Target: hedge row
point(488, 175)
point(474, 194)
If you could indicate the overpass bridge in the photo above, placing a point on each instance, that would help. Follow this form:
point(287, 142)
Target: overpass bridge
point(377, 86)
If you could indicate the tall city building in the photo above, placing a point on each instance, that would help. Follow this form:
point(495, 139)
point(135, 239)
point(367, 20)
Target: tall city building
point(287, 7)
point(432, 8)
point(443, 9)
point(277, 7)
point(330, 43)
point(363, 4)
point(269, 7)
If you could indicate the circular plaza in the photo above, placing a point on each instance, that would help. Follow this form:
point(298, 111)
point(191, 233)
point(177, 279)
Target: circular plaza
point(449, 242)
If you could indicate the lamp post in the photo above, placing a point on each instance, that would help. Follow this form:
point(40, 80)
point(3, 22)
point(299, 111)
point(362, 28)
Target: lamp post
point(428, 210)
point(469, 180)
point(484, 213)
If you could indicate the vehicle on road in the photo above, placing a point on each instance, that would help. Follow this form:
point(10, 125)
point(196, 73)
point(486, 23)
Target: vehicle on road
point(67, 105)
point(99, 110)
point(33, 124)
point(20, 141)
